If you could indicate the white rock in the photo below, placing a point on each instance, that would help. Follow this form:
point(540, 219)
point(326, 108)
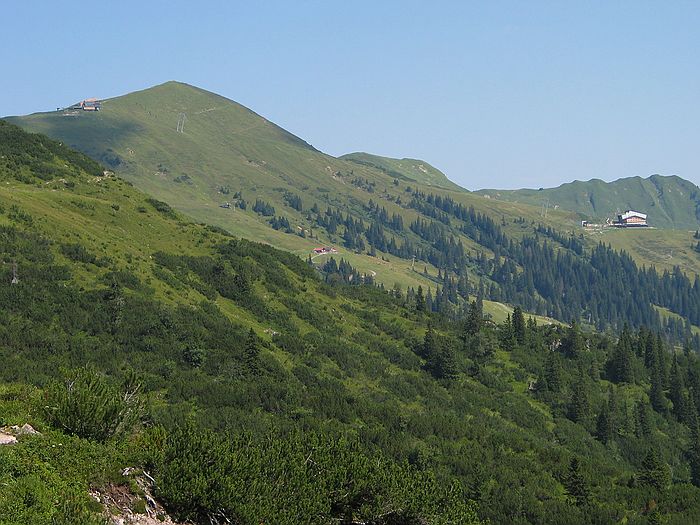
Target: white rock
point(7, 439)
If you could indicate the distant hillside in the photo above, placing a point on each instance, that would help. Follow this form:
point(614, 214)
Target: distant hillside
point(405, 169)
point(280, 188)
point(231, 168)
point(670, 202)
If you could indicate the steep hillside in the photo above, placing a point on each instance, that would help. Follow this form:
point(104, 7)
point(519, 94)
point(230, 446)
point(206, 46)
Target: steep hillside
point(670, 202)
point(230, 167)
point(406, 169)
point(227, 153)
point(249, 387)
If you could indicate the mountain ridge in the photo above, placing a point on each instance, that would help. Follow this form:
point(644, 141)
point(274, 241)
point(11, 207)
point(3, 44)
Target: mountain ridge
point(226, 150)
point(229, 155)
point(406, 168)
point(670, 200)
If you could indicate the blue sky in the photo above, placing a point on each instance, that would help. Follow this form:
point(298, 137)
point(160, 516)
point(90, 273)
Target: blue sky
point(496, 94)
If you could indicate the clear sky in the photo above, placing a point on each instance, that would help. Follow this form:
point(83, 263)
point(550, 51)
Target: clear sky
point(494, 93)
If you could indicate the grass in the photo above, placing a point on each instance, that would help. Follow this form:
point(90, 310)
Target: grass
point(225, 146)
point(670, 202)
point(405, 169)
point(103, 215)
point(662, 249)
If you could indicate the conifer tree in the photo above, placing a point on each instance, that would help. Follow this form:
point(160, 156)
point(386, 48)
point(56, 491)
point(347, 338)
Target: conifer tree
point(691, 413)
point(694, 451)
point(420, 299)
point(576, 485)
point(429, 343)
point(507, 335)
point(573, 341)
point(603, 429)
point(429, 301)
point(606, 422)
point(439, 357)
point(654, 471)
point(656, 392)
point(580, 404)
point(643, 423)
point(662, 360)
point(444, 365)
point(650, 351)
point(480, 299)
point(531, 324)
point(676, 393)
point(621, 366)
point(474, 320)
point(251, 353)
point(553, 373)
point(518, 322)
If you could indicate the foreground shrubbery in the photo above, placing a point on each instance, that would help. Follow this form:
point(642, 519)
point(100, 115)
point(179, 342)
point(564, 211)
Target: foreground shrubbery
point(296, 478)
point(205, 477)
point(87, 405)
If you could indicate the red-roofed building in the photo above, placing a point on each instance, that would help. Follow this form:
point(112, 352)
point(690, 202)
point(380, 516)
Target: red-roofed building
point(631, 219)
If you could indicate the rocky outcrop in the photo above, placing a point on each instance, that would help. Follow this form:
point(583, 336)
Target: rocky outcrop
point(122, 507)
point(7, 439)
point(8, 435)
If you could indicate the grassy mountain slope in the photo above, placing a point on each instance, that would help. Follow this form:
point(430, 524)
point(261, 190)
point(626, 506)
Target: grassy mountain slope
point(367, 406)
point(662, 248)
point(227, 153)
point(670, 202)
point(406, 169)
point(226, 148)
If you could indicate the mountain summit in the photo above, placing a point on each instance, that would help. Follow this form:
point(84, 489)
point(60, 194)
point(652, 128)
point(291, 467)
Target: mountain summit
point(225, 165)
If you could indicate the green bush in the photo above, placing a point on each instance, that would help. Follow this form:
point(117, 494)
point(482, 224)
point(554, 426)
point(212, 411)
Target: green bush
point(87, 405)
point(77, 252)
point(162, 207)
point(297, 478)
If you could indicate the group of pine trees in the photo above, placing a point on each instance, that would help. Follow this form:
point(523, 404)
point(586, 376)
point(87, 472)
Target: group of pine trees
point(343, 272)
point(548, 273)
point(263, 208)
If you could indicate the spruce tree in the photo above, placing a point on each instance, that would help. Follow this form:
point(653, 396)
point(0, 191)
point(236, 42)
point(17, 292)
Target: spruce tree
point(694, 451)
point(576, 485)
point(654, 471)
point(606, 424)
point(480, 300)
point(573, 342)
point(507, 335)
point(650, 351)
point(429, 343)
point(444, 365)
point(656, 391)
point(251, 353)
point(474, 320)
point(621, 364)
point(553, 372)
point(662, 360)
point(691, 413)
point(643, 426)
point(420, 300)
point(580, 404)
point(439, 357)
point(518, 322)
point(676, 393)
point(603, 429)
